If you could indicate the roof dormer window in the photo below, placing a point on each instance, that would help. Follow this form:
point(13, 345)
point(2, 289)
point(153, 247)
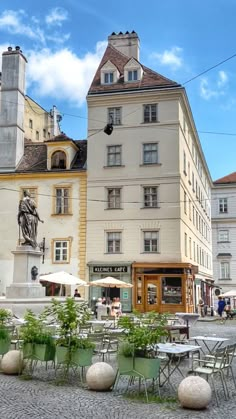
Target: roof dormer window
point(132, 75)
point(58, 160)
point(108, 78)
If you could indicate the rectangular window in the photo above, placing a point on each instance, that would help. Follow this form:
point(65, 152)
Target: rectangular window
point(114, 116)
point(150, 196)
point(151, 241)
point(114, 155)
point(184, 163)
point(190, 247)
point(223, 205)
point(194, 252)
point(113, 198)
point(31, 123)
point(185, 244)
point(61, 251)
point(37, 135)
point(150, 153)
point(193, 182)
point(132, 75)
point(114, 242)
point(193, 215)
point(223, 236)
point(190, 209)
point(171, 290)
point(44, 133)
point(150, 113)
point(224, 270)
point(185, 202)
point(62, 200)
point(108, 78)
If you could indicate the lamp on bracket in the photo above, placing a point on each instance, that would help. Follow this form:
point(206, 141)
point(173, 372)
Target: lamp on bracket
point(109, 127)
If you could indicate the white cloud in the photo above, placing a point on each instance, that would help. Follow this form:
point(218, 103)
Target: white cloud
point(62, 75)
point(171, 57)
point(56, 16)
point(12, 22)
point(223, 78)
point(207, 92)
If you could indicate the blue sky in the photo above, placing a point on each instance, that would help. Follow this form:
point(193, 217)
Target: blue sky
point(64, 41)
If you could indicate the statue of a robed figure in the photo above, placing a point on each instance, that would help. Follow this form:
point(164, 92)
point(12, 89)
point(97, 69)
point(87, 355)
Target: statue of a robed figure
point(28, 219)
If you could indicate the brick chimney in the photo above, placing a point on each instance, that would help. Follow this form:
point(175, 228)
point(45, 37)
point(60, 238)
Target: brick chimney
point(127, 43)
point(12, 109)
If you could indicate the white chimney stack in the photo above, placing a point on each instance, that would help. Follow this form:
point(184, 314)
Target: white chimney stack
point(12, 109)
point(127, 43)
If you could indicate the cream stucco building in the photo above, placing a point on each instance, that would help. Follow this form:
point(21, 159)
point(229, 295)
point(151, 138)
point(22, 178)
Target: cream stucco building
point(149, 188)
point(52, 170)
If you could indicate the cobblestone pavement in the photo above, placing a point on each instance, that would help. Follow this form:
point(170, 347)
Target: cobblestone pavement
point(41, 398)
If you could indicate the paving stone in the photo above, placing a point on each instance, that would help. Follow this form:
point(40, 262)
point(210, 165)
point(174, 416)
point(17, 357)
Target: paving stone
point(41, 398)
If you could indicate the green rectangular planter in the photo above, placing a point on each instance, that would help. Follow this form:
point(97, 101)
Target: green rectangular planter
point(62, 355)
point(125, 364)
point(82, 357)
point(148, 367)
point(44, 352)
point(4, 346)
point(28, 350)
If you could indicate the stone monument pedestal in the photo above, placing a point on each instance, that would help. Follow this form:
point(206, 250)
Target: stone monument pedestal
point(25, 283)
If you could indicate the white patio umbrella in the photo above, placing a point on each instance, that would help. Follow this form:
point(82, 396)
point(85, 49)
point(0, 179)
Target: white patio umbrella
point(110, 282)
point(63, 278)
point(231, 293)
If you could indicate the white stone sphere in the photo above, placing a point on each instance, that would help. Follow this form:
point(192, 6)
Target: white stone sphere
point(194, 392)
point(12, 362)
point(100, 376)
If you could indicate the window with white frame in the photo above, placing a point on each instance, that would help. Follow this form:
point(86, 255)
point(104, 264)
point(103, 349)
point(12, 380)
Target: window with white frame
point(61, 252)
point(223, 235)
point(190, 209)
point(151, 239)
point(113, 242)
point(113, 198)
point(223, 205)
point(150, 153)
point(184, 163)
point(185, 202)
point(108, 78)
point(193, 182)
point(185, 244)
point(150, 196)
point(132, 75)
point(190, 247)
point(224, 270)
point(114, 116)
point(114, 155)
point(62, 200)
point(150, 113)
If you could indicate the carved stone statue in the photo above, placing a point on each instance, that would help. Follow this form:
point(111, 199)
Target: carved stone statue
point(28, 219)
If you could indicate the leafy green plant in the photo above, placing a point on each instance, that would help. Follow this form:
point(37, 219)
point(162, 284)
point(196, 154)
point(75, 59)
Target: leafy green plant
point(142, 336)
point(69, 315)
point(4, 333)
point(5, 316)
point(34, 330)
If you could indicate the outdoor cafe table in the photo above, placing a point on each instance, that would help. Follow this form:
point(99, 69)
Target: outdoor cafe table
point(207, 340)
point(175, 354)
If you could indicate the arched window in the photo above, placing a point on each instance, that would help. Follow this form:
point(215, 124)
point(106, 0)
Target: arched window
point(58, 160)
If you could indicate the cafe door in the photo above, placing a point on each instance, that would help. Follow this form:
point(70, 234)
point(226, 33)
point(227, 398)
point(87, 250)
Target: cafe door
point(151, 294)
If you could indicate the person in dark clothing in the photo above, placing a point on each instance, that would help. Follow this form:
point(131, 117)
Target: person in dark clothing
point(221, 306)
point(76, 293)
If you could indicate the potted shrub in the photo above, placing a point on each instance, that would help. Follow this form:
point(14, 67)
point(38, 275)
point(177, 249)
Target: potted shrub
point(69, 316)
point(38, 343)
point(5, 335)
point(140, 343)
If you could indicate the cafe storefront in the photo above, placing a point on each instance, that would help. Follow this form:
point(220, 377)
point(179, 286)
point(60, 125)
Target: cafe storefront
point(163, 287)
point(121, 271)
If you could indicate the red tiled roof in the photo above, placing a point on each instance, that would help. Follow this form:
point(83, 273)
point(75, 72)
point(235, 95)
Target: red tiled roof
point(231, 178)
point(150, 78)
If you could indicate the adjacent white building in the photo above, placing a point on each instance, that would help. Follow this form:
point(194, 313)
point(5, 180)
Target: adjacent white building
point(224, 232)
point(149, 188)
